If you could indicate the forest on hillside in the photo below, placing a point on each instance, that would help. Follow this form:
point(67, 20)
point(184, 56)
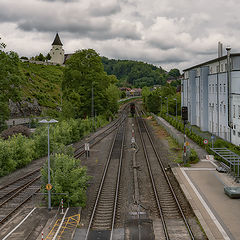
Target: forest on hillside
point(137, 74)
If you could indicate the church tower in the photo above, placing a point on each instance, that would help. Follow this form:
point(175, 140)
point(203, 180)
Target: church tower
point(57, 52)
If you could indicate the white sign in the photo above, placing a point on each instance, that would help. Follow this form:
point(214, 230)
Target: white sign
point(86, 146)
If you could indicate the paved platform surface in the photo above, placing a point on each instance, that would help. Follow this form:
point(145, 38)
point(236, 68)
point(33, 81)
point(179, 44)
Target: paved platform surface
point(218, 214)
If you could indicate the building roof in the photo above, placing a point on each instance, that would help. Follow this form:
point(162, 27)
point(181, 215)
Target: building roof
point(212, 61)
point(57, 40)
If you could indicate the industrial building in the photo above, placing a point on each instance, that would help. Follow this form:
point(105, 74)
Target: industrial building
point(211, 91)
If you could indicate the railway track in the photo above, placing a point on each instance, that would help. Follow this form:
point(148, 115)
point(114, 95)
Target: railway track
point(102, 134)
point(172, 222)
point(102, 218)
point(15, 194)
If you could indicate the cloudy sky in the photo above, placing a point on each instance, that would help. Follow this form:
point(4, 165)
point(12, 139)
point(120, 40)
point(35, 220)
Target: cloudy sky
point(167, 33)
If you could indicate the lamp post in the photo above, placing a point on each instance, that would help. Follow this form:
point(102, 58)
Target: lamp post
point(176, 107)
point(167, 105)
point(49, 181)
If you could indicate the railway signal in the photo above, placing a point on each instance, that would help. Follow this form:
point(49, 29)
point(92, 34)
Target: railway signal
point(184, 113)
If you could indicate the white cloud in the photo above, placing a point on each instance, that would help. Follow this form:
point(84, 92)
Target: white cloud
point(171, 33)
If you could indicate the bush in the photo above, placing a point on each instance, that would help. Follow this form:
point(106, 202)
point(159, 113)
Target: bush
point(67, 177)
point(23, 150)
point(18, 150)
point(7, 164)
point(193, 156)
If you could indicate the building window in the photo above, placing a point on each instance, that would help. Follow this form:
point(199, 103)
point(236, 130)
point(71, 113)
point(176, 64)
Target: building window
point(224, 90)
point(238, 134)
point(224, 109)
point(217, 68)
point(238, 111)
point(234, 132)
point(220, 87)
point(222, 67)
point(234, 111)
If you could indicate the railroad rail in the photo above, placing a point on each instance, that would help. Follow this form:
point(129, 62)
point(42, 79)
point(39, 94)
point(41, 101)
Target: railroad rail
point(12, 187)
point(101, 135)
point(18, 194)
point(173, 221)
point(105, 206)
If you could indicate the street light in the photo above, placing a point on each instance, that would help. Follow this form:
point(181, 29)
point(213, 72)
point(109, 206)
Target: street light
point(176, 107)
point(49, 182)
point(167, 105)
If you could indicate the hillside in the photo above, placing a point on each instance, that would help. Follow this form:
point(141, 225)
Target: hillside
point(138, 74)
point(40, 89)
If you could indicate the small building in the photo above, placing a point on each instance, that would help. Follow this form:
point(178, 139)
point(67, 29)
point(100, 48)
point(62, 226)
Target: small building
point(57, 52)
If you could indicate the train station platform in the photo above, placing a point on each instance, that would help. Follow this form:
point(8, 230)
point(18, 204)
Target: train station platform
point(203, 186)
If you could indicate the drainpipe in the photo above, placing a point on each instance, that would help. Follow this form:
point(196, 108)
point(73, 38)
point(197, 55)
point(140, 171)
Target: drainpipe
point(218, 107)
point(199, 99)
point(228, 48)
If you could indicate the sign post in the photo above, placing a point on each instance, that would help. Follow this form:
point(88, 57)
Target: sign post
point(86, 147)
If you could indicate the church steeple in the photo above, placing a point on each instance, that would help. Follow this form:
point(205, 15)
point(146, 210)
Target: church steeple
point(57, 52)
point(57, 40)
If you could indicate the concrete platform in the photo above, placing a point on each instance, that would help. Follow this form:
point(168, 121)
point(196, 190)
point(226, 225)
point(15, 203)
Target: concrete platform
point(203, 186)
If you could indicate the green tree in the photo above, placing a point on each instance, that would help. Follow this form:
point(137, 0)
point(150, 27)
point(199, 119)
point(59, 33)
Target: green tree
point(84, 78)
point(174, 73)
point(133, 73)
point(10, 78)
point(153, 102)
point(67, 176)
point(40, 57)
point(145, 93)
point(113, 94)
point(48, 56)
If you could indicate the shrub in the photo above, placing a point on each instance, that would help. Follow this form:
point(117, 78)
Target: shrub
point(193, 156)
point(7, 164)
point(23, 150)
point(67, 177)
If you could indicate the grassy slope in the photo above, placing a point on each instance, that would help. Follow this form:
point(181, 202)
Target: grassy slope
point(43, 83)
